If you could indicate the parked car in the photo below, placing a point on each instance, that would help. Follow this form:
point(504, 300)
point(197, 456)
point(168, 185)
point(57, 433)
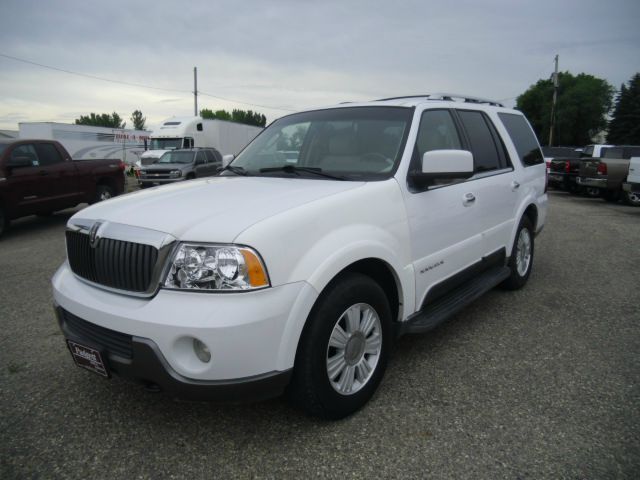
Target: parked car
point(564, 171)
point(609, 172)
point(179, 165)
point(296, 272)
point(39, 177)
point(631, 186)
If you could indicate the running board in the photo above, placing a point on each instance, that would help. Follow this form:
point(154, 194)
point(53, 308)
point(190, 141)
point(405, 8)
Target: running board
point(443, 308)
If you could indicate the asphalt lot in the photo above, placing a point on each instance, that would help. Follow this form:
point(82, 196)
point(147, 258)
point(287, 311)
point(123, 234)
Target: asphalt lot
point(539, 383)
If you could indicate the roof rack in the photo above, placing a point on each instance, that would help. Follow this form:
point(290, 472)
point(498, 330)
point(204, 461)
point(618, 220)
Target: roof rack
point(450, 97)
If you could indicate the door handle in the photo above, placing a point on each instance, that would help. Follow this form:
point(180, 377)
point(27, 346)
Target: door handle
point(468, 199)
point(514, 185)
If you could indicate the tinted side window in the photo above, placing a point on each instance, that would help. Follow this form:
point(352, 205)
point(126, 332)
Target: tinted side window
point(483, 146)
point(523, 138)
point(26, 151)
point(437, 132)
point(200, 158)
point(48, 154)
point(209, 155)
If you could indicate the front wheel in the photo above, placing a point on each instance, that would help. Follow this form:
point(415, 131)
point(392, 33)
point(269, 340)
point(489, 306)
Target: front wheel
point(521, 259)
point(344, 348)
point(4, 221)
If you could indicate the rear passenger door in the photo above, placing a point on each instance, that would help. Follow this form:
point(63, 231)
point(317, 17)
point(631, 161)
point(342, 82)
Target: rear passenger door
point(493, 185)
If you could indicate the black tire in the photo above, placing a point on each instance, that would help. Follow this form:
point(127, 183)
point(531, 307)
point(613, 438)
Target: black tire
point(103, 192)
point(311, 388)
point(592, 192)
point(519, 275)
point(4, 221)
point(190, 176)
point(145, 185)
point(631, 198)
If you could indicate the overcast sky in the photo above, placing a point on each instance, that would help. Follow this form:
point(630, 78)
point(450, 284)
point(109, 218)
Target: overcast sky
point(292, 55)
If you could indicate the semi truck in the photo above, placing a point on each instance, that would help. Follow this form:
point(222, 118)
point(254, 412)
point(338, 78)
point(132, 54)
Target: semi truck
point(189, 132)
point(86, 142)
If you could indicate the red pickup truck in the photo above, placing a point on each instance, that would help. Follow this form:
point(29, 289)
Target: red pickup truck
point(39, 177)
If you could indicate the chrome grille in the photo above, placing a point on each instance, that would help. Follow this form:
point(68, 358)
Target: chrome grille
point(113, 263)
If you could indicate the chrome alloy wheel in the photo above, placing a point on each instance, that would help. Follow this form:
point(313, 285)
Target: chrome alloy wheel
point(105, 195)
point(523, 252)
point(354, 349)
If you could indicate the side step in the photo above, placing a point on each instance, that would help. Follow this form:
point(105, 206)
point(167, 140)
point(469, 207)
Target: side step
point(435, 313)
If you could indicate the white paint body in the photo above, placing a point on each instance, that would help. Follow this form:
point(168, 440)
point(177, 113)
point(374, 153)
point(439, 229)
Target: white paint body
point(306, 231)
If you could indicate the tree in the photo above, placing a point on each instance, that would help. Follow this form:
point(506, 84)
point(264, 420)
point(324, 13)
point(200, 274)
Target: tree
point(248, 117)
point(101, 120)
point(624, 127)
point(583, 103)
point(138, 120)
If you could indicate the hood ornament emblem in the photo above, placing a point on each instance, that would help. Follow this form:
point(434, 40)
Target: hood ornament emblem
point(93, 234)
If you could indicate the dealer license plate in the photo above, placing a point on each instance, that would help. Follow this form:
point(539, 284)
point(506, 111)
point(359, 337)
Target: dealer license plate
point(89, 358)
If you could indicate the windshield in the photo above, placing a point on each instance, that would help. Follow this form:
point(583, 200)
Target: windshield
point(165, 143)
point(352, 143)
point(177, 157)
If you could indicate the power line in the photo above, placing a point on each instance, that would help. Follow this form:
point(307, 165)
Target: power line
point(138, 85)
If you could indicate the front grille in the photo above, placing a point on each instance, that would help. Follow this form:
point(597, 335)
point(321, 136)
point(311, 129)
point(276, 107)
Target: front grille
point(114, 342)
point(112, 263)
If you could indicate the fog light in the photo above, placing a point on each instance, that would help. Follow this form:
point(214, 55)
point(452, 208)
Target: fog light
point(202, 352)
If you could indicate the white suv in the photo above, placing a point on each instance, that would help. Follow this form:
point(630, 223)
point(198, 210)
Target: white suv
point(297, 270)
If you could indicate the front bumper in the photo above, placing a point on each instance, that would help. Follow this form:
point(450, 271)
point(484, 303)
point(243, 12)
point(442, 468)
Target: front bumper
point(592, 182)
point(252, 336)
point(147, 365)
point(631, 187)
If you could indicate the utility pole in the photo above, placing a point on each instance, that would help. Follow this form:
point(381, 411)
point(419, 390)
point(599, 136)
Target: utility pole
point(195, 91)
point(553, 105)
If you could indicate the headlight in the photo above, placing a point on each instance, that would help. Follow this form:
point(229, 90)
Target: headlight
point(175, 173)
point(216, 267)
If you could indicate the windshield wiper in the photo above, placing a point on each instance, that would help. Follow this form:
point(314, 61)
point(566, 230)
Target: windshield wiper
point(236, 170)
point(297, 170)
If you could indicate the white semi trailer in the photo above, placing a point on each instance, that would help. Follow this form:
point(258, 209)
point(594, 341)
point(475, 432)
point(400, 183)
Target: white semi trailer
point(187, 132)
point(85, 142)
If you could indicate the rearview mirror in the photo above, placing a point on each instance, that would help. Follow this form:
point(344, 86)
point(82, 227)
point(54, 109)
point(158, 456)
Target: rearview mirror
point(444, 165)
point(227, 159)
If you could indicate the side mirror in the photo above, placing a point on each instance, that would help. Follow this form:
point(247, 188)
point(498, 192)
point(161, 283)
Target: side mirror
point(17, 162)
point(444, 165)
point(227, 159)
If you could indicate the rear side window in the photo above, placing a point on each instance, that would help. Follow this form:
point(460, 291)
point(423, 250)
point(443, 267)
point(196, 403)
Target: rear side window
point(486, 155)
point(523, 138)
point(48, 154)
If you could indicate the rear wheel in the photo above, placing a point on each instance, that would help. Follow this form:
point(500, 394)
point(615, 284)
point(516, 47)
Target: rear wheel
point(103, 192)
point(521, 259)
point(632, 198)
point(344, 348)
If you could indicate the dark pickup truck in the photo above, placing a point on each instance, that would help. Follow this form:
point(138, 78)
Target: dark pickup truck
point(39, 177)
point(564, 170)
point(609, 172)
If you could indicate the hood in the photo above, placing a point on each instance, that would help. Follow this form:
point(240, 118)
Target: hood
point(214, 209)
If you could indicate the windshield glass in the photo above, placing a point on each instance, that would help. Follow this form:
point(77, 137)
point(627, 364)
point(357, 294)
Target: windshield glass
point(177, 157)
point(165, 143)
point(353, 143)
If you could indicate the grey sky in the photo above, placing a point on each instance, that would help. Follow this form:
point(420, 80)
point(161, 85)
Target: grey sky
point(296, 54)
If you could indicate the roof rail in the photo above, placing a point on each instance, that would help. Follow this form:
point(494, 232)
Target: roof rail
point(451, 97)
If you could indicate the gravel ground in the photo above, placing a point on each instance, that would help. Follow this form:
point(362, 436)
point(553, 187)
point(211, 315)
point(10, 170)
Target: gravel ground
point(538, 383)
